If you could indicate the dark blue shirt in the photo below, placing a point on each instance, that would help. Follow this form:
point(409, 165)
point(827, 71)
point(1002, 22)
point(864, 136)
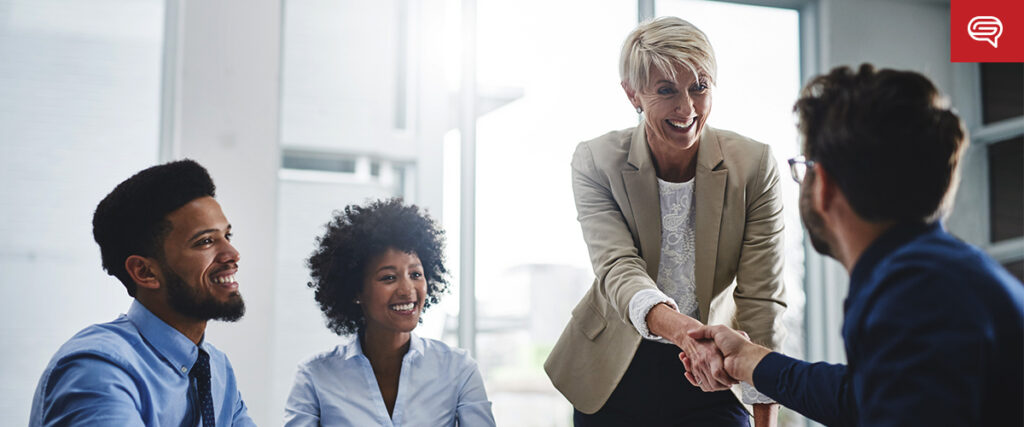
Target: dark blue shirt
point(934, 334)
point(133, 372)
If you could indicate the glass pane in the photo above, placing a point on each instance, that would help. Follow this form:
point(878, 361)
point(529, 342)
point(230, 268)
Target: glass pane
point(345, 74)
point(543, 91)
point(1006, 188)
point(79, 112)
point(1002, 91)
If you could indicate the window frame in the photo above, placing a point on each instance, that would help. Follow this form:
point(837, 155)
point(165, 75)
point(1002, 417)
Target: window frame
point(975, 168)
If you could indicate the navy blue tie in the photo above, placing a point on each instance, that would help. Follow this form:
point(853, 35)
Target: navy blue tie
point(201, 372)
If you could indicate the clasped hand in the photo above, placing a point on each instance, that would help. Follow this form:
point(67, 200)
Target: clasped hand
point(736, 356)
point(705, 363)
point(715, 357)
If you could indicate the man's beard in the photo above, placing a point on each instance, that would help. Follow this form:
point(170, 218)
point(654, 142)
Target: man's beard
point(812, 220)
point(194, 303)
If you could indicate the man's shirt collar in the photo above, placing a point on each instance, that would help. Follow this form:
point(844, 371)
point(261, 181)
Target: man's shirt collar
point(174, 346)
point(891, 240)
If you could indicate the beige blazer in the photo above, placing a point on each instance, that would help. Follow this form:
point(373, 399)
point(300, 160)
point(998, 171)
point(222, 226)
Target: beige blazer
point(739, 257)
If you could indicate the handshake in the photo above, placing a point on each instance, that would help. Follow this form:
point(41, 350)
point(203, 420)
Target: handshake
point(717, 357)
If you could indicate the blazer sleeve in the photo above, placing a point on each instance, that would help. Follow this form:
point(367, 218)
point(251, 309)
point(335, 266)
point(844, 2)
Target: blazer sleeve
point(759, 293)
point(619, 269)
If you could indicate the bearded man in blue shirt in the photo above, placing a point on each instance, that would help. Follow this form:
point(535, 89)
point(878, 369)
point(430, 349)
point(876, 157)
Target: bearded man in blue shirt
point(162, 234)
point(933, 327)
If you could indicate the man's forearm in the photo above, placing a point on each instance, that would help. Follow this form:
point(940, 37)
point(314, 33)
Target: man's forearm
point(741, 364)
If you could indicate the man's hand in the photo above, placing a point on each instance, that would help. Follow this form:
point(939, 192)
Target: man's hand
point(706, 368)
point(741, 355)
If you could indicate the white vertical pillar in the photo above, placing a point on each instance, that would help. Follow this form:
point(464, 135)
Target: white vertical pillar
point(170, 80)
point(644, 10)
point(467, 229)
point(228, 120)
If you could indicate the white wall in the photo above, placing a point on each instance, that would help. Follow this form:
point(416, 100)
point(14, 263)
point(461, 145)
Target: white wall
point(902, 34)
point(227, 120)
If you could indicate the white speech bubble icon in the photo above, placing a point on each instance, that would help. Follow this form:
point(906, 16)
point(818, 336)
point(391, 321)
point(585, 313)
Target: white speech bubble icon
point(985, 28)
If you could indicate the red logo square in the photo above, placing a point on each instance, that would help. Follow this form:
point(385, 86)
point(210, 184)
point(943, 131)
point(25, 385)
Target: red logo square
point(986, 31)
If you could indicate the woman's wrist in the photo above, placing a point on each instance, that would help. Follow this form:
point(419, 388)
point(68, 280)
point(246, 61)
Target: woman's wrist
point(670, 324)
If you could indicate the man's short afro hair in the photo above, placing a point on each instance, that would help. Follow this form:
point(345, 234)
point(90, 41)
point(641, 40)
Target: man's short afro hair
point(131, 219)
point(357, 235)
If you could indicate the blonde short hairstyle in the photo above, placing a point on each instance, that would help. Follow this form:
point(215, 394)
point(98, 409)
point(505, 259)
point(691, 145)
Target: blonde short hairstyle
point(665, 43)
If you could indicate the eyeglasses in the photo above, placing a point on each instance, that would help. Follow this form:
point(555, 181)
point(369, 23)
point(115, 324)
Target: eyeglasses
point(798, 168)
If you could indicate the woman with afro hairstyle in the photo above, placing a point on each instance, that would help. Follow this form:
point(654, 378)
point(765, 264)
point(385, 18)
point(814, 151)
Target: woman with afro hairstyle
point(374, 271)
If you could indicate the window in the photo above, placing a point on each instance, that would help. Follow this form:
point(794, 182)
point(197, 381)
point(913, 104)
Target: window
point(353, 130)
point(80, 87)
point(989, 209)
point(558, 87)
point(542, 91)
point(1002, 91)
point(1006, 183)
point(1002, 103)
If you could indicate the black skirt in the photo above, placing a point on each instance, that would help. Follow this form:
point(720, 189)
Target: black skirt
point(654, 392)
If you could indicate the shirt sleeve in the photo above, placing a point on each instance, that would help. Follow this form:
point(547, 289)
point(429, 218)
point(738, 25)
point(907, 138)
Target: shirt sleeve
point(89, 390)
point(241, 415)
point(819, 391)
point(641, 304)
point(303, 406)
point(473, 408)
point(919, 360)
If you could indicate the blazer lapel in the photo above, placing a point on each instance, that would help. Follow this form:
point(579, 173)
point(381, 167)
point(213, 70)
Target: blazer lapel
point(641, 183)
point(710, 198)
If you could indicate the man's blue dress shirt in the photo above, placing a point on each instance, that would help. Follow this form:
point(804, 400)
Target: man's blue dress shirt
point(934, 334)
point(438, 386)
point(133, 372)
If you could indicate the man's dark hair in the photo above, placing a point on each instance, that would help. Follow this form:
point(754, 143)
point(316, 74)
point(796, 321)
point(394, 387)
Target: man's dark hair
point(886, 139)
point(131, 220)
point(357, 235)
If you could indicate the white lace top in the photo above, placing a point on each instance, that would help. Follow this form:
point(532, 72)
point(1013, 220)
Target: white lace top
point(676, 267)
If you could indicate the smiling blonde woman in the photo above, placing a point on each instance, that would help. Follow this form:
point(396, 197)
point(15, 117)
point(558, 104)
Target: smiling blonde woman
point(683, 223)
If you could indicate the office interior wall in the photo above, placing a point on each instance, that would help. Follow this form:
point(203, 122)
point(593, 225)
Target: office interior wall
point(228, 108)
point(365, 83)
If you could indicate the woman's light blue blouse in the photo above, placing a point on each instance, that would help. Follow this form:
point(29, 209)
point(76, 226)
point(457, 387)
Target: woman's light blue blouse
point(438, 386)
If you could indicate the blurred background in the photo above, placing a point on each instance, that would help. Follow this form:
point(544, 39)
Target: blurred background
point(470, 109)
